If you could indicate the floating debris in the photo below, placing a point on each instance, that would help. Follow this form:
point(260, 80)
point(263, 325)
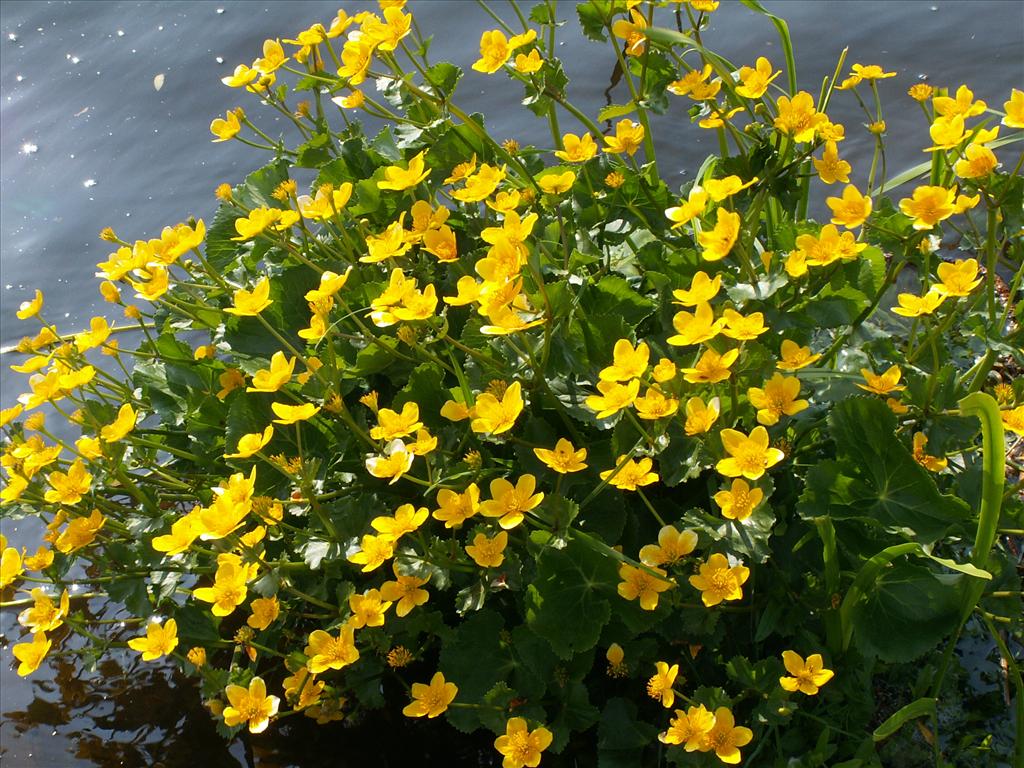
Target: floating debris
point(89, 183)
point(158, 81)
point(28, 148)
point(81, 112)
point(12, 37)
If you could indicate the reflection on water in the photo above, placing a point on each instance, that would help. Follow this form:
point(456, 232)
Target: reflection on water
point(88, 141)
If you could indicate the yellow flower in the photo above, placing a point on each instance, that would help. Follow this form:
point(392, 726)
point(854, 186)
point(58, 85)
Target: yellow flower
point(911, 305)
point(354, 100)
point(251, 303)
point(712, 367)
point(406, 520)
point(229, 381)
point(793, 357)
point(528, 63)
point(628, 362)
point(643, 584)
point(393, 463)
point(225, 128)
point(31, 654)
point(632, 32)
point(510, 502)
point(1014, 109)
point(265, 611)
point(717, 242)
point(577, 149)
point(520, 746)
point(631, 475)
point(228, 591)
point(628, 138)
point(700, 417)
point(920, 92)
point(557, 183)
point(1013, 419)
point(121, 426)
point(929, 205)
point(691, 208)
point(68, 488)
point(405, 592)
point(726, 737)
point(356, 55)
point(689, 729)
point(159, 640)
point(80, 532)
point(251, 705)
point(494, 52)
point(31, 308)
point(673, 545)
point(882, 384)
point(564, 458)
point(327, 652)
point(978, 161)
point(44, 615)
point(455, 508)
point(241, 77)
point(616, 657)
point(664, 371)
point(481, 184)
point(830, 168)
point(739, 502)
point(798, 117)
point(717, 581)
point(292, 414)
point(946, 132)
point(931, 463)
point(695, 327)
point(273, 57)
point(488, 552)
point(655, 405)
point(755, 80)
point(807, 676)
point(398, 178)
point(328, 202)
point(720, 189)
point(494, 416)
point(251, 443)
point(850, 210)
point(10, 566)
point(442, 244)
point(659, 687)
point(695, 85)
point(40, 561)
point(258, 220)
point(391, 424)
point(368, 610)
point(196, 656)
point(7, 415)
point(702, 290)
point(871, 72)
point(614, 180)
point(431, 699)
point(505, 202)
point(743, 328)
point(964, 104)
point(778, 398)
point(373, 552)
point(749, 457)
point(276, 376)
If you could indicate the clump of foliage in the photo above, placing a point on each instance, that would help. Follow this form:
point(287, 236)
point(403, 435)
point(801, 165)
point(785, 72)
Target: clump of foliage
point(662, 474)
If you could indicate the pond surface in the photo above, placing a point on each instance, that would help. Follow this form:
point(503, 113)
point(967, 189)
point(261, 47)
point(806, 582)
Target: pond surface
point(88, 141)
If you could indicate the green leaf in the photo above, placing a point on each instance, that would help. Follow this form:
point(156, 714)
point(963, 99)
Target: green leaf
point(541, 14)
point(912, 711)
point(314, 152)
point(875, 479)
point(564, 604)
point(476, 658)
point(592, 15)
point(443, 78)
point(613, 111)
point(906, 613)
point(221, 250)
point(374, 358)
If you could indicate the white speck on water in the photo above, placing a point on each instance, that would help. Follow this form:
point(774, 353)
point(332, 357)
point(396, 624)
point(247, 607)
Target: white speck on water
point(158, 81)
point(28, 148)
point(220, 11)
point(160, 28)
point(220, 59)
point(120, 33)
point(934, 8)
point(922, 76)
point(19, 78)
point(12, 37)
point(89, 183)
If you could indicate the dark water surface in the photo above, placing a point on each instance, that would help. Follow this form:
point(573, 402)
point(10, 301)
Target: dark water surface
point(87, 141)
